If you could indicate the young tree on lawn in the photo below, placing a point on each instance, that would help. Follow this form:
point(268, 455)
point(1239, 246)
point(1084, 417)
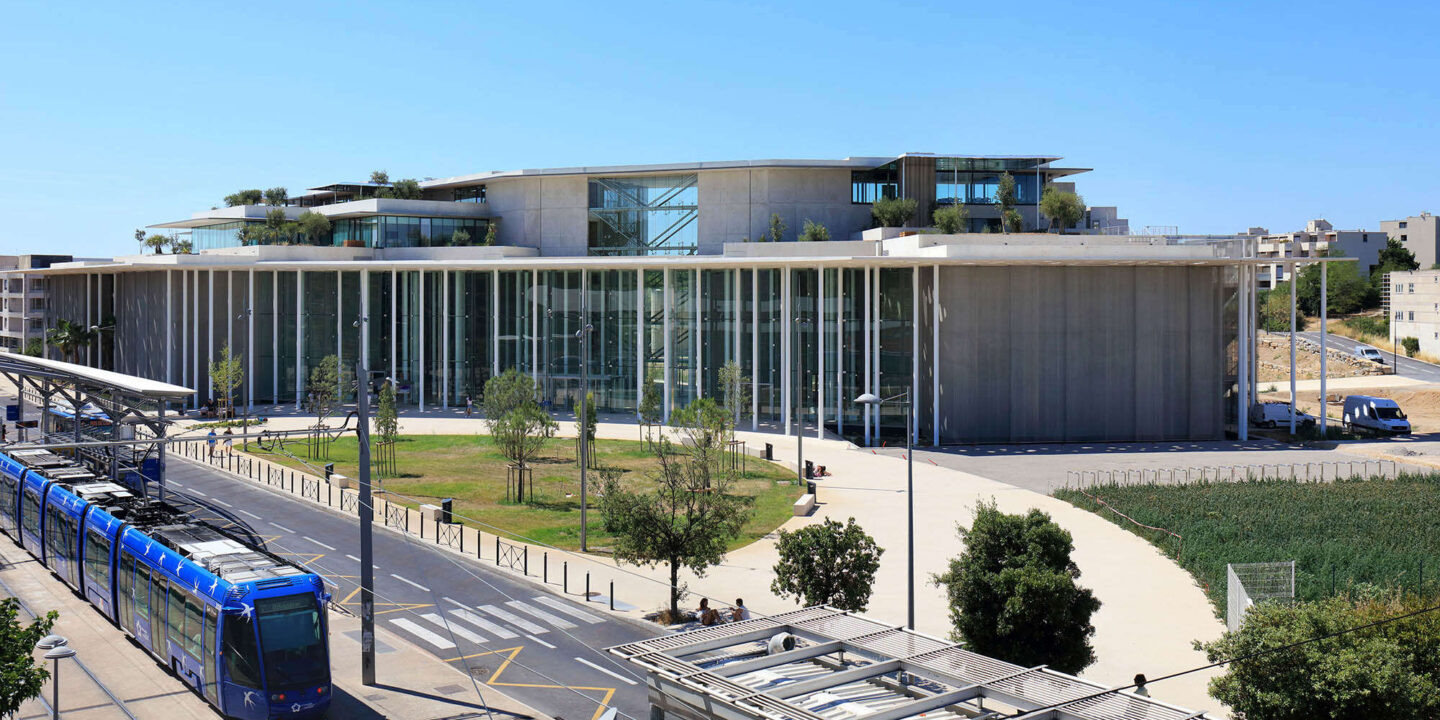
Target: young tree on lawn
point(592, 418)
point(1388, 671)
point(706, 427)
point(226, 375)
point(68, 337)
point(1063, 208)
point(950, 219)
point(1006, 197)
point(387, 419)
point(1013, 594)
point(505, 392)
point(678, 521)
point(521, 433)
point(814, 232)
point(736, 387)
point(21, 678)
point(322, 395)
point(893, 212)
point(827, 564)
point(651, 409)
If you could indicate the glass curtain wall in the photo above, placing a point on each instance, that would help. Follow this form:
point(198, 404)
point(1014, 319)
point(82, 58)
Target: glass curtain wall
point(804, 336)
point(684, 339)
point(288, 283)
point(746, 307)
point(768, 334)
point(559, 344)
point(851, 349)
point(515, 311)
point(432, 313)
point(644, 215)
point(264, 352)
point(717, 332)
point(611, 301)
point(896, 348)
point(349, 314)
point(381, 291)
point(407, 340)
point(470, 322)
point(320, 307)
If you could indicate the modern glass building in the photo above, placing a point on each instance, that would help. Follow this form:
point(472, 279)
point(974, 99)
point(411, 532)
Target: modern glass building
point(1021, 337)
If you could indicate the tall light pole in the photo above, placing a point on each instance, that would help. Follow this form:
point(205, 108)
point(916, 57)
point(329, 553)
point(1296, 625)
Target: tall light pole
point(904, 401)
point(584, 334)
point(799, 421)
point(56, 648)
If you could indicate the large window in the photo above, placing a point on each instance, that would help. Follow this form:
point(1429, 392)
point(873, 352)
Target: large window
point(293, 641)
point(867, 186)
point(957, 187)
point(403, 231)
point(645, 215)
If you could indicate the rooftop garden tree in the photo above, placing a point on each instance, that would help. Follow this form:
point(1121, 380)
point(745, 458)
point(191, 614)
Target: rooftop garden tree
point(140, 238)
point(827, 564)
point(893, 212)
point(460, 238)
point(814, 232)
point(277, 196)
point(314, 226)
point(157, 243)
point(407, 189)
point(1006, 197)
point(1013, 595)
point(776, 231)
point(181, 247)
point(1064, 209)
point(950, 219)
point(244, 197)
point(489, 234)
point(380, 177)
point(685, 518)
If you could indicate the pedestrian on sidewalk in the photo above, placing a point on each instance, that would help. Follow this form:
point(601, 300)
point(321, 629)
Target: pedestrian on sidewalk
point(229, 441)
point(3, 432)
point(469, 405)
point(210, 442)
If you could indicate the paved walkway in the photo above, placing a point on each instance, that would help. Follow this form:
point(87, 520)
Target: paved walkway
point(1152, 610)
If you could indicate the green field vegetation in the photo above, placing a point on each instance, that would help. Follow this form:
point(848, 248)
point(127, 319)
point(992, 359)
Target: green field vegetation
point(470, 469)
point(1359, 532)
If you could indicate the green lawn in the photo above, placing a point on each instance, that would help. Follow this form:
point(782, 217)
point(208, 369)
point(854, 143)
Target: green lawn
point(471, 470)
point(1380, 532)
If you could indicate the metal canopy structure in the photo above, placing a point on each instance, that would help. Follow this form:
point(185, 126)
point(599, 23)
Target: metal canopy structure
point(843, 666)
point(67, 391)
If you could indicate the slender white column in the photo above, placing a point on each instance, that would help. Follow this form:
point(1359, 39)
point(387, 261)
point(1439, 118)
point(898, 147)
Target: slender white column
point(494, 322)
point(89, 305)
point(639, 337)
point(666, 313)
point(914, 354)
point(230, 310)
point(250, 342)
point(340, 333)
point(195, 353)
point(935, 356)
point(840, 398)
point(1293, 283)
point(210, 343)
point(535, 325)
point(184, 329)
point(394, 321)
point(697, 365)
point(820, 351)
point(754, 349)
point(867, 333)
point(420, 332)
point(444, 339)
point(299, 337)
point(275, 337)
point(787, 359)
point(1324, 348)
point(875, 347)
point(169, 327)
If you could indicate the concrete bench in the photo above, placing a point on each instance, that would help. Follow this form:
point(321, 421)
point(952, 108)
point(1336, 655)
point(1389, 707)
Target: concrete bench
point(805, 505)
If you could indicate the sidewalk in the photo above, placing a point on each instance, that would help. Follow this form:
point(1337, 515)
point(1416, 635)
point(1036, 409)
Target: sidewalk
point(414, 684)
point(1151, 612)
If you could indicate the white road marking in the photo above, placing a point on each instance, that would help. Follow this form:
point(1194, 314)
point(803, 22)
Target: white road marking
point(253, 515)
point(423, 633)
point(464, 614)
point(409, 582)
point(218, 501)
point(282, 527)
point(615, 675)
point(542, 642)
point(317, 542)
point(352, 557)
point(569, 609)
point(514, 619)
point(454, 628)
point(559, 622)
point(197, 492)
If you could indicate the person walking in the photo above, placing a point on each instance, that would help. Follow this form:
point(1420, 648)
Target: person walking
point(229, 440)
point(469, 405)
point(210, 442)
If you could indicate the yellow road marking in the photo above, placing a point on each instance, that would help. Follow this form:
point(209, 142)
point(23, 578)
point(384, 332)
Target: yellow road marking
point(494, 678)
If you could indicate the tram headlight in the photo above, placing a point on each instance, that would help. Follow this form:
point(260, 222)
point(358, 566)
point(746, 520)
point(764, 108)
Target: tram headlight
point(277, 697)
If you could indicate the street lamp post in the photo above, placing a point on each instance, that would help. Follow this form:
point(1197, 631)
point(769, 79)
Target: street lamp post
point(584, 334)
point(56, 648)
point(904, 402)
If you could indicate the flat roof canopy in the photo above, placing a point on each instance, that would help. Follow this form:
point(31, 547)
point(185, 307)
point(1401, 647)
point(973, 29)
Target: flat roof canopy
point(91, 379)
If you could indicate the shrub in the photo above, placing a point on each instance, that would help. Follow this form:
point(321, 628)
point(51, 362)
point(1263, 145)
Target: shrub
point(1411, 345)
point(950, 219)
point(893, 212)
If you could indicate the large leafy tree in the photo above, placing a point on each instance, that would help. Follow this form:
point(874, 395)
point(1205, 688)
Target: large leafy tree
point(827, 564)
point(244, 197)
point(1063, 208)
point(1013, 594)
point(1388, 671)
point(1275, 310)
point(314, 226)
point(406, 189)
point(1348, 290)
point(277, 196)
point(893, 212)
point(68, 337)
point(21, 678)
point(1394, 258)
point(678, 520)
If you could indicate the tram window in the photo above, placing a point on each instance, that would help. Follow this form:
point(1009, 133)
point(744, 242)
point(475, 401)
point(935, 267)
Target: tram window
point(240, 651)
point(125, 586)
point(176, 615)
point(209, 650)
point(194, 624)
point(97, 558)
point(142, 593)
point(30, 511)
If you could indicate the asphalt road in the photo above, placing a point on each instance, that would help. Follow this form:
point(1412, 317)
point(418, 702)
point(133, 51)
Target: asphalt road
point(1404, 366)
point(536, 646)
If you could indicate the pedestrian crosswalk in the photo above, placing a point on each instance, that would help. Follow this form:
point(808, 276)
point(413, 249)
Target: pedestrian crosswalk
point(462, 622)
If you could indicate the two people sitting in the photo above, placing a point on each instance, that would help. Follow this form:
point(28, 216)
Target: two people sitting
point(711, 616)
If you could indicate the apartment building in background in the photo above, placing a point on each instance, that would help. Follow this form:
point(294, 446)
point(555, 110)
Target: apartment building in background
point(1317, 239)
point(1414, 307)
point(1420, 233)
point(24, 298)
point(653, 273)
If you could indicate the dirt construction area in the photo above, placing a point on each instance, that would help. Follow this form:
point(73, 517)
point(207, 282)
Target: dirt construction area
point(1420, 403)
point(1273, 358)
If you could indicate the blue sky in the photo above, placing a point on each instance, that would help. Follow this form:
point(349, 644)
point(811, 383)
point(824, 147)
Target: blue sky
point(1208, 116)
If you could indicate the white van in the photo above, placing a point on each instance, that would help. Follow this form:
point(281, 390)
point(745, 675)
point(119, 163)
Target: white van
point(1376, 414)
point(1365, 352)
point(1277, 414)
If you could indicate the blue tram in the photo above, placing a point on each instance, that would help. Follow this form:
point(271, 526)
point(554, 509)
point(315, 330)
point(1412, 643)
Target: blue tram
point(245, 629)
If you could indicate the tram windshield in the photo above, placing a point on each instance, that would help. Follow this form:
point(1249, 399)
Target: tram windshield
point(292, 642)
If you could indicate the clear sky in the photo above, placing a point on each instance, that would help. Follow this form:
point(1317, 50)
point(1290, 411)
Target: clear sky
point(1208, 116)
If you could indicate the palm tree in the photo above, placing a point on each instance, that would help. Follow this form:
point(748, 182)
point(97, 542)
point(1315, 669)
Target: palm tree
point(157, 243)
point(68, 337)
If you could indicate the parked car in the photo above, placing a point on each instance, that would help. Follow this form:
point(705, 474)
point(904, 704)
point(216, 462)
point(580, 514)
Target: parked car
point(1365, 352)
point(1276, 414)
point(1376, 414)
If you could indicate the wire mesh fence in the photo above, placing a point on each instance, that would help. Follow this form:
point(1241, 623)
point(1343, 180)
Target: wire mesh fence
point(1248, 584)
point(1301, 472)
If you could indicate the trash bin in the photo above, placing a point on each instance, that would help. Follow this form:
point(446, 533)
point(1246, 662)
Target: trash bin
point(810, 487)
point(329, 470)
point(769, 451)
point(446, 508)
point(809, 470)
